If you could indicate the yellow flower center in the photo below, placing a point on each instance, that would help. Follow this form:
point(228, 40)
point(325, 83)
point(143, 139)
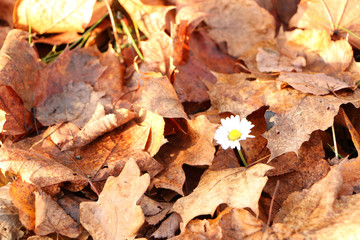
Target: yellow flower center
point(234, 135)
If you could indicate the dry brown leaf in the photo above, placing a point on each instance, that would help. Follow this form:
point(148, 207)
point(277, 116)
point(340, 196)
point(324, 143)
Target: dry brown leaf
point(168, 227)
point(76, 103)
point(6, 14)
point(18, 120)
point(108, 154)
point(317, 213)
point(19, 66)
point(50, 217)
point(245, 24)
point(35, 168)
point(150, 16)
point(329, 15)
point(154, 211)
point(195, 148)
point(116, 215)
point(158, 52)
point(53, 16)
point(270, 60)
point(62, 72)
point(237, 187)
point(317, 84)
point(160, 97)
point(297, 114)
point(231, 223)
point(98, 125)
point(10, 224)
point(321, 53)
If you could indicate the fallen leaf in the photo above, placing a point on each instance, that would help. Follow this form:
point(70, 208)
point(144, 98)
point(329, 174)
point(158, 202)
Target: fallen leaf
point(195, 148)
point(297, 115)
point(116, 215)
point(231, 223)
point(53, 16)
point(245, 24)
point(329, 15)
point(18, 120)
point(159, 97)
point(7, 7)
point(149, 16)
point(317, 84)
point(237, 187)
point(35, 168)
point(318, 213)
point(154, 211)
point(98, 125)
point(168, 227)
point(77, 103)
point(9, 216)
point(19, 66)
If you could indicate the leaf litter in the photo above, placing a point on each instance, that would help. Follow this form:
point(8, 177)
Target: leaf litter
point(100, 145)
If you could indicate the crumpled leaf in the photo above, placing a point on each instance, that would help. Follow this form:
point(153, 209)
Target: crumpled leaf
point(297, 114)
point(317, 84)
point(239, 22)
point(237, 187)
point(329, 15)
point(53, 16)
point(195, 148)
point(318, 213)
point(116, 215)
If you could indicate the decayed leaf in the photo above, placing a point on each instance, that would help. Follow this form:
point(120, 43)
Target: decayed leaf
point(168, 227)
point(53, 16)
point(35, 168)
point(116, 215)
point(159, 97)
point(245, 24)
point(195, 148)
point(297, 114)
point(317, 84)
point(317, 213)
point(98, 125)
point(9, 216)
point(150, 17)
point(19, 66)
point(329, 15)
point(237, 187)
point(77, 103)
point(154, 211)
point(18, 120)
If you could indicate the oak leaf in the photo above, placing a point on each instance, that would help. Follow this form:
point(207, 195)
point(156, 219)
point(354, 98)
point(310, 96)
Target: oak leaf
point(116, 215)
point(237, 187)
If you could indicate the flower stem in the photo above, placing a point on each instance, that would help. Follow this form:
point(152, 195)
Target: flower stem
point(242, 157)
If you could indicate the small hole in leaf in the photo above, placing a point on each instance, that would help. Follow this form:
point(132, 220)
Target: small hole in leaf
point(104, 167)
point(278, 133)
point(74, 174)
point(328, 108)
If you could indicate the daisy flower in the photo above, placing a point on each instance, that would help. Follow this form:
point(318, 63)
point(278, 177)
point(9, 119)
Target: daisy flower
point(231, 131)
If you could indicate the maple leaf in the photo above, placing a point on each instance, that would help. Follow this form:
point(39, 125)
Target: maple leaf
point(297, 114)
point(237, 187)
point(53, 16)
point(116, 215)
point(329, 15)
